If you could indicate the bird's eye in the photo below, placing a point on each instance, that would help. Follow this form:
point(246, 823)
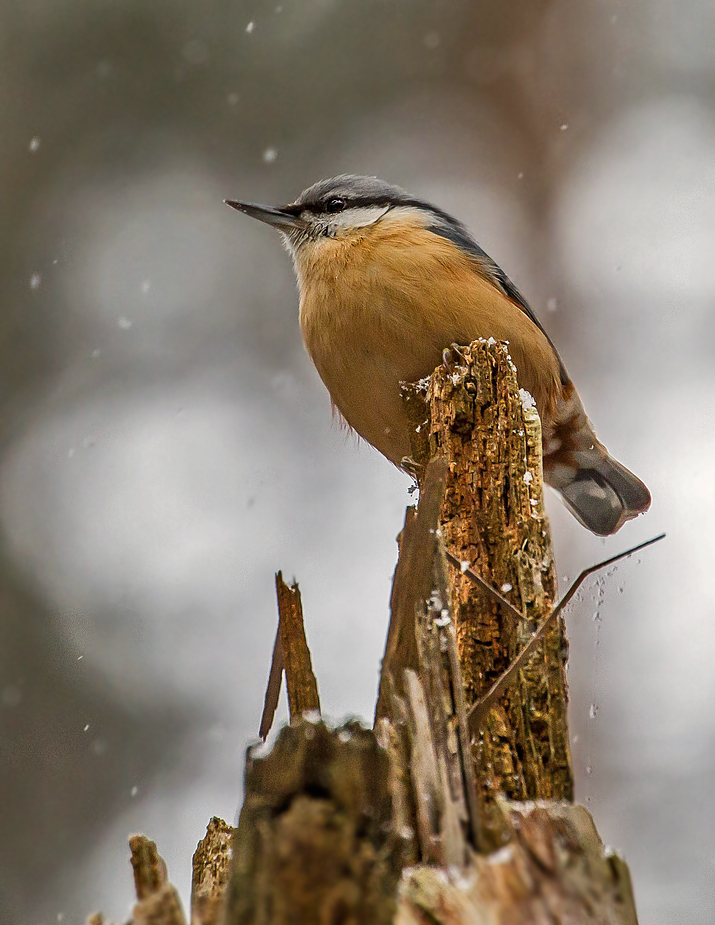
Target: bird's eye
point(336, 204)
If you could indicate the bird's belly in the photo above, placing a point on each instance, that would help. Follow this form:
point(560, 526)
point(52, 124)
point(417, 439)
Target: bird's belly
point(363, 345)
point(366, 391)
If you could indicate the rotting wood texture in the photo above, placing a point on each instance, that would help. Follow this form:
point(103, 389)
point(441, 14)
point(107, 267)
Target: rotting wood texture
point(412, 584)
point(210, 866)
point(493, 519)
point(158, 902)
point(426, 708)
point(554, 871)
point(315, 843)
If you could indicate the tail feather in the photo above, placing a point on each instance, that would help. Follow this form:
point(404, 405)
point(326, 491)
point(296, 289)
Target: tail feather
point(598, 490)
point(602, 495)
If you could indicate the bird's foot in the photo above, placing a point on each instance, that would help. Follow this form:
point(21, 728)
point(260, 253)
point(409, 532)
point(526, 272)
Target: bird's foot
point(451, 356)
point(412, 468)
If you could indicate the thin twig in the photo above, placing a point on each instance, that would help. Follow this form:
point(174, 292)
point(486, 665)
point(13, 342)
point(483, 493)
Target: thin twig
point(480, 709)
point(485, 586)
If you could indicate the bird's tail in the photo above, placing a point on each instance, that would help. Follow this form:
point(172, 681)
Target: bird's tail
point(600, 492)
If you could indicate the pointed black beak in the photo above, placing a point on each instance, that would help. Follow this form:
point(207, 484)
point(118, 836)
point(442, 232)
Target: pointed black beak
point(284, 221)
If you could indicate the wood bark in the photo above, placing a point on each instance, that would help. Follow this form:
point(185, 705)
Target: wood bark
point(493, 519)
point(554, 871)
point(315, 843)
point(300, 681)
point(158, 902)
point(210, 870)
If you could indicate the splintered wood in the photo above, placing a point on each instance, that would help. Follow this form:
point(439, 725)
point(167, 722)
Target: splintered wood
point(423, 684)
point(211, 864)
point(411, 585)
point(158, 901)
point(291, 656)
point(492, 519)
point(300, 680)
point(336, 858)
point(554, 871)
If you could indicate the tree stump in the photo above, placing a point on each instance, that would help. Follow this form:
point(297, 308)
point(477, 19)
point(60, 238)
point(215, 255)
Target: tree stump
point(352, 826)
point(492, 519)
point(315, 843)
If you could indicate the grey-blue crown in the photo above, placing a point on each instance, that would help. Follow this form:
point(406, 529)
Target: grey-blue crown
point(355, 190)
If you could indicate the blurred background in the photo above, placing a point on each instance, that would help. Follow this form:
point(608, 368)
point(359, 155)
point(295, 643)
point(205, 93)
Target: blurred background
point(165, 444)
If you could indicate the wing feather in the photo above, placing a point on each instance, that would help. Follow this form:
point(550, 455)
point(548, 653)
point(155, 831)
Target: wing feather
point(456, 232)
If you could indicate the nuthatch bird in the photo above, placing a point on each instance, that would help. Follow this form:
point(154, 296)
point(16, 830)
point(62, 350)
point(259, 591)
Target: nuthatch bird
point(387, 282)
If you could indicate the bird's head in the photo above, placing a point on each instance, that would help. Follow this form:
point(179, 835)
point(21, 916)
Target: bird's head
point(344, 207)
point(337, 208)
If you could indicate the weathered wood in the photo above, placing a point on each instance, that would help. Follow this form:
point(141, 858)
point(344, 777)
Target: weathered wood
point(420, 688)
point(159, 903)
point(493, 519)
point(554, 871)
point(336, 821)
point(400, 645)
point(480, 709)
point(300, 681)
point(210, 868)
point(393, 737)
point(273, 686)
point(441, 677)
point(426, 784)
point(314, 841)
point(411, 584)
point(428, 704)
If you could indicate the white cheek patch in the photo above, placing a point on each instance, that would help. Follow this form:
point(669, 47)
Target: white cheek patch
point(410, 213)
point(357, 217)
point(334, 225)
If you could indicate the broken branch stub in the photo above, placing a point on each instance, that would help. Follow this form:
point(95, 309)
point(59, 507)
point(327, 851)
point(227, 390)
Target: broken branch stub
point(412, 584)
point(301, 684)
point(210, 869)
point(158, 901)
point(315, 841)
point(554, 871)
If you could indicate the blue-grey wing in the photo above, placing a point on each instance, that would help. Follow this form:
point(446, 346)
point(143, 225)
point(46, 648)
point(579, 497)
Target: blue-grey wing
point(455, 232)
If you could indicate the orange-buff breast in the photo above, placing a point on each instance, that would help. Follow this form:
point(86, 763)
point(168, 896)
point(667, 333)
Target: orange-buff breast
point(381, 307)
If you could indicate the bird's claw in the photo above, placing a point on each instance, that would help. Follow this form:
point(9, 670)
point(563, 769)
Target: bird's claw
point(448, 357)
point(411, 467)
